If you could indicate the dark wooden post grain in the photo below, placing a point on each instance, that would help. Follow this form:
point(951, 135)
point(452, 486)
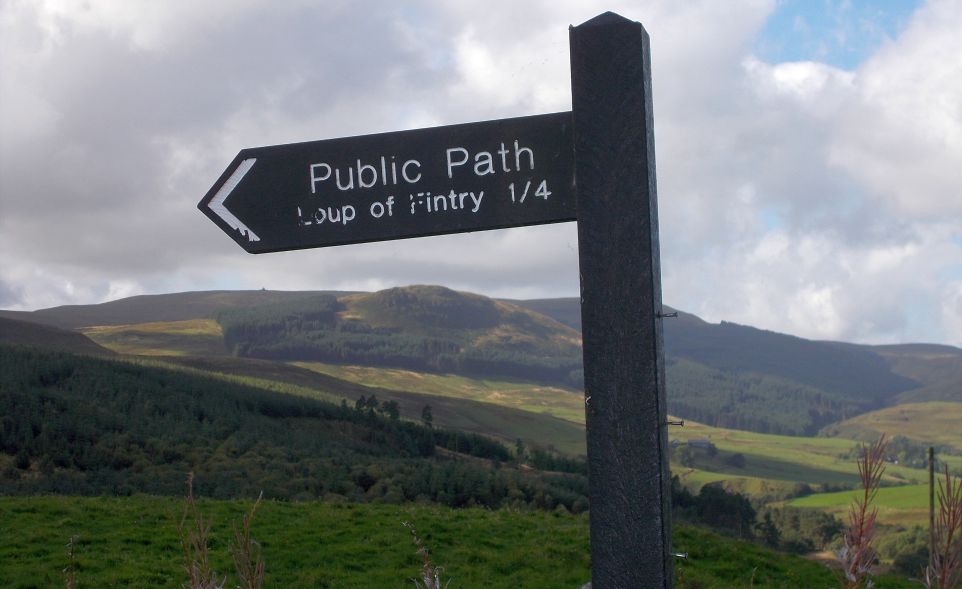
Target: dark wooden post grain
point(624, 366)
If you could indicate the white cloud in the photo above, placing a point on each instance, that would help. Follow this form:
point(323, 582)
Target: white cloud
point(901, 136)
point(951, 311)
point(793, 196)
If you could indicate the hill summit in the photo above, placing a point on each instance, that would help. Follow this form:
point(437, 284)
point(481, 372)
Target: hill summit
point(416, 327)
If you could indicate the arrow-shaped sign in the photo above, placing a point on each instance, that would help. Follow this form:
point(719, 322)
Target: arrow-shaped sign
point(216, 204)
point(471, 177)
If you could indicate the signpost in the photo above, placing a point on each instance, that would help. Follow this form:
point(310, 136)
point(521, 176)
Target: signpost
point(488, 175)
point(594, 165)
point(624, 363)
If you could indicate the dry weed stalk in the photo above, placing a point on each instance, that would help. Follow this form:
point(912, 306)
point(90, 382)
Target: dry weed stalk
point(68, 571)
point(194, 532)
point(945, 564)
point(430, 574)
point(248, 560)
point(857, 553)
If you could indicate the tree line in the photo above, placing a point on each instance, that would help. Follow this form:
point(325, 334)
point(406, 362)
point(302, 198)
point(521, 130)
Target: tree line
point(79, 425)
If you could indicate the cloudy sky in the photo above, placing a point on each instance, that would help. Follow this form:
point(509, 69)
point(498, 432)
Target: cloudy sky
point(809, 151)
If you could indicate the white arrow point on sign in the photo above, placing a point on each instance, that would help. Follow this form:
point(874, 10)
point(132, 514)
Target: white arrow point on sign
point(217, 203)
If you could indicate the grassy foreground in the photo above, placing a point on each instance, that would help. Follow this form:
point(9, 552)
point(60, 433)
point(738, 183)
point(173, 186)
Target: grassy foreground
point(132, 542)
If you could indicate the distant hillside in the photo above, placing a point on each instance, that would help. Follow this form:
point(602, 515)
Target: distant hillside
point(418, 327)
point(164, 307)
point(81, 425)
point(854, 371)
point(937, 368)
point(566, 311)
point(929, 424)
point(736, 376)
point(191, 337)
point(724, 374)
point(849, 369)
point(24, 333)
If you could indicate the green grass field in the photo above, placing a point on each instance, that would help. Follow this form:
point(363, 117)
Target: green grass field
point(132, 542)
point(897, 506)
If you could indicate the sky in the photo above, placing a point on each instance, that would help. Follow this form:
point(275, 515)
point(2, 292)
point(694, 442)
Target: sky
point(809, 153)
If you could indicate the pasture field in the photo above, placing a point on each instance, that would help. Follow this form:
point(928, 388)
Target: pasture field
point(769, 457)
point(128, 542)
point(132, 542)
point(904, 505)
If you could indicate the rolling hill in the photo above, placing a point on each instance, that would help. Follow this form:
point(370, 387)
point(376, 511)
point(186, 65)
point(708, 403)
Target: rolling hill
point(929, 424)
point(263, 390)
point(25, 333)
point(155, 308)
point(723, 374)
point(937, 368)
point(428, 328)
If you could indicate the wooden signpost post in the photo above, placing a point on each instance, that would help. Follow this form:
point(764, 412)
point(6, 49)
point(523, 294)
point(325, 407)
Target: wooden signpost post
point(594, 165)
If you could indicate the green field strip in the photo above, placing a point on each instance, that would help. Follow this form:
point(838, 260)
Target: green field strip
point(193, 337)
point(536, 398)
point(903, 506)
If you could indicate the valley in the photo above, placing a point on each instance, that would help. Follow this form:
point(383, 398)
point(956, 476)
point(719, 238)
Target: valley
point(505, 371)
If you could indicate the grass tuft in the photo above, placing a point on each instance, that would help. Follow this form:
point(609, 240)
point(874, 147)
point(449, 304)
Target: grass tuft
point(857, 554)
point(430, 577)
point(945, 563)
point(194, 532)
point(69, 571)
point(248, 559)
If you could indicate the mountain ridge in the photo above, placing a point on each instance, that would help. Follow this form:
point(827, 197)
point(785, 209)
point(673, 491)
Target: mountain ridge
point(722, 374)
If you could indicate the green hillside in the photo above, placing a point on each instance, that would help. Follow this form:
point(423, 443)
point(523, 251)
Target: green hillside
point(559, 402)
point(769, 467)
point(24, 333)
point(937, 368)
point(725, 375)
point(503, 420)
point(753, 401)
point(864, 371)
point(930, 424)
point(80, 425)
point(190, 337)
point(566, 311)
point(738, 376)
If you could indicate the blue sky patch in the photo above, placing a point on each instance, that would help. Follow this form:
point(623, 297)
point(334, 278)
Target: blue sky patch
point(841, 33)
